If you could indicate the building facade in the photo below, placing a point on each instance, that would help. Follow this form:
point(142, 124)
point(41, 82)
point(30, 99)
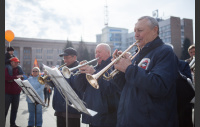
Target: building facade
point(174, 30)
point(114, 36)
point(44, 50)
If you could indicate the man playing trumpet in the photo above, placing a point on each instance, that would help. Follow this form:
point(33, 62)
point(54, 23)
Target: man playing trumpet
point(103, 100)
point(59, 104)
point(148, 96)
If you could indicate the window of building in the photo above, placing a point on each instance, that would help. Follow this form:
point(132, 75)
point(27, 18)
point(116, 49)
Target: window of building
point(27, 51)
point(115, 37)
point(182, 39)
point(49, 57)
point(168, 27)
point(182, 33)
point(38, 50)
point(111, 37)
point(16, 53)
point(27, 62)
point(50, 51)
point(182, 27)
point(58, 63)
point(27, 57)
point(169, 33)
point(59, 51)
point(49, 63)
point(38, 56)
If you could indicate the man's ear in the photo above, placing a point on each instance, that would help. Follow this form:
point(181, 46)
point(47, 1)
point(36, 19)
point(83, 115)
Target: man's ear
point(75, 57)
point(155, 30)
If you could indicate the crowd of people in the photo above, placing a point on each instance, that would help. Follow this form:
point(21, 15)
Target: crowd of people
point(142, 93)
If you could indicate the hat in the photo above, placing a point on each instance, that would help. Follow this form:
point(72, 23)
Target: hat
point(36, 68)
point(10, 49)
point(68, 51)
point(15, 59)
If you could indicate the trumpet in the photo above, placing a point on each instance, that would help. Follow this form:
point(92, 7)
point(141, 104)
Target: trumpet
point(46, 78)
point(92, 79)
point(68, 72)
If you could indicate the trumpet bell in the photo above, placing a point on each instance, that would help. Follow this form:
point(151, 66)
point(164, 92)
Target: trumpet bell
point(66, 72)
point(41, 80)
point(92, 80)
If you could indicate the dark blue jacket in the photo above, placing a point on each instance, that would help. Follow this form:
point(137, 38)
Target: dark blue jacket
point(59, 104)
point(148, 97)
point(103, 100)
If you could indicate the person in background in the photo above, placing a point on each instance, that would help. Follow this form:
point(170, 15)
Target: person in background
point(31, 106)
point(9, 54)
point(12, 91)
point(103, 100)
point(59, 104)
point(47, 90)
point(185, 111)
point(191, 51)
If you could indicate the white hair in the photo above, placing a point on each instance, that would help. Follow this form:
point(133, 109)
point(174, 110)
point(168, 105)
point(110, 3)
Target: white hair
point(152, 21)
point(106, 46)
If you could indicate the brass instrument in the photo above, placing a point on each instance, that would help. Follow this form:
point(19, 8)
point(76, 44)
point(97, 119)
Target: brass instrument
point(92, 79)
point(68, 72)
point(44, 79)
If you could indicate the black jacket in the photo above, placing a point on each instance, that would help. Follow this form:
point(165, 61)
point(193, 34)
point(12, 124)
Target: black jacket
point(7, 58)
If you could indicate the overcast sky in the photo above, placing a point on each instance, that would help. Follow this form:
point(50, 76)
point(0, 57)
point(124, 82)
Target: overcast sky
point(73, 19)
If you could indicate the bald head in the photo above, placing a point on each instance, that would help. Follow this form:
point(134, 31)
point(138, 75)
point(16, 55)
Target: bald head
point(103, 52)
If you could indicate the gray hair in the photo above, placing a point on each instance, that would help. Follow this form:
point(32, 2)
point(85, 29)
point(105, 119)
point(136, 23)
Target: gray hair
point(106, 46)
point(152, 22)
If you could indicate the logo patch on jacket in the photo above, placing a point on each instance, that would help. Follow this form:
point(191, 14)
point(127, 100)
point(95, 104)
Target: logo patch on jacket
point(144, 63)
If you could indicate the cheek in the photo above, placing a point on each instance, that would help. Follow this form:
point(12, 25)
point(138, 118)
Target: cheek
point(65, 61)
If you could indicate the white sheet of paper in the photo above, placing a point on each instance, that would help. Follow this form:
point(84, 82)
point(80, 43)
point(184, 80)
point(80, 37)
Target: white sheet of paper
point(29, 91)
point(62, 85)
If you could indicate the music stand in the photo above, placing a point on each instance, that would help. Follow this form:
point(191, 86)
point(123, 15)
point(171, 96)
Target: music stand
point(69, 95)
point(31, 93)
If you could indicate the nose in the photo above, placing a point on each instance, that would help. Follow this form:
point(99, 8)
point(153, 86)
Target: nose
point(136, 35)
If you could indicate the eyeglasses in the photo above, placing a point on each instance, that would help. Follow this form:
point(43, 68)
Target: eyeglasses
point(35, 71)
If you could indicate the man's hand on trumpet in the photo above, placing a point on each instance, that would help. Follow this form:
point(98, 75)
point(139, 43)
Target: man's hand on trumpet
point(87, 68)
point(124, 61)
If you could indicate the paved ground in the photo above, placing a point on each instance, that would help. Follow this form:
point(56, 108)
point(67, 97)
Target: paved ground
point(49, 120)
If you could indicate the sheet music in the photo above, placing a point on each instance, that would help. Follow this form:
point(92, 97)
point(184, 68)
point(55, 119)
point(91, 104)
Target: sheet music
point(29, 91)
point(62, 85)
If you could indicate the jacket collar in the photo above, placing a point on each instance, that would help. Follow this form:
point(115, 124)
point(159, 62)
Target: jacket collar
point(155, 41)
point(104, 63)
point(73, 64)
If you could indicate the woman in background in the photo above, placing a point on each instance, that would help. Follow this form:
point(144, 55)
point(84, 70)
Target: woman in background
point(31, 106)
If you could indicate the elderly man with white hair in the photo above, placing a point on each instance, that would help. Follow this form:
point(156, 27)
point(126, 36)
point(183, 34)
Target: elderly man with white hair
point(103, 100)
